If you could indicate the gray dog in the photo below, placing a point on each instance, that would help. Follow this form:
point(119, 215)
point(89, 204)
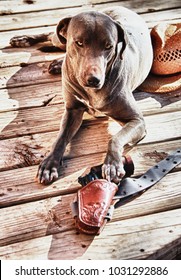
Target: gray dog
point(108, 55)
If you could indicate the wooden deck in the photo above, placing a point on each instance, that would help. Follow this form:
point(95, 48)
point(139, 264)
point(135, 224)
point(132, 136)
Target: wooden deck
point(35, 220)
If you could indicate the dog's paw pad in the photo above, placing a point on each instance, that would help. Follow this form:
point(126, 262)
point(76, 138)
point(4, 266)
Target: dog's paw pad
point(22, 41)
point(55, 67)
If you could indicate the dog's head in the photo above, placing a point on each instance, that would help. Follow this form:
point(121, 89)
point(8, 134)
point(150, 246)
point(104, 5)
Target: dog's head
point(91, 41)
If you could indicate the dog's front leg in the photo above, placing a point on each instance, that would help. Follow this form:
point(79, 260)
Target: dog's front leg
point(49, 169)
point(131, 133)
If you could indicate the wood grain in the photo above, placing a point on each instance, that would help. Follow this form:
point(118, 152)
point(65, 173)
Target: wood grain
point(35, 220)
point(37, 19)
point(151, 237)
point(17, 191)
point(53, 215)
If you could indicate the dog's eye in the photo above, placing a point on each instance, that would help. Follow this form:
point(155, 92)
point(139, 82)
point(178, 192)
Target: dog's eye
point(79, 43)
point(108, 46)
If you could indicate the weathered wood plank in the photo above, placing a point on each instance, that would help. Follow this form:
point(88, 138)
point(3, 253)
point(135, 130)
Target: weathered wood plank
point(16, 190)
point(37, 248)
point(30, 74)
point(24, 56)
point(154, 18)
point(14, 7)
point(11, 7)
point(36, 19)
point(47, 119)
point(29, 150)
point(52, 215)
point(150, 103)
point(150, 237)
point(43, 94)
point(7, 35)
point(40, 218)
point(162, 131)
point(164, 196)
point(31, 96)
point(27, 121)
point(136, 5)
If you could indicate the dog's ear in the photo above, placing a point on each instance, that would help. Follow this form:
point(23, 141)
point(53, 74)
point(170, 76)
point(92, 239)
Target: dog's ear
point(62, 29)
point(121, 38)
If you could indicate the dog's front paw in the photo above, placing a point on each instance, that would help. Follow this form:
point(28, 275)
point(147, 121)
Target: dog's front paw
point(55, 67)
point(48, 170)
point(22, 41)
point(113, 169)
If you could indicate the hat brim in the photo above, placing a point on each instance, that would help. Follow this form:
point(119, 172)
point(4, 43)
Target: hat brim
point(161, 84)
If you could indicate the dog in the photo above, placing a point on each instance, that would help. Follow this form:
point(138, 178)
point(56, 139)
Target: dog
point(108, 55)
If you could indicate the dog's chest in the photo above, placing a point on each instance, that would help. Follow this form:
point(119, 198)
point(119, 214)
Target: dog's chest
point(94, 104)
point(86, 102)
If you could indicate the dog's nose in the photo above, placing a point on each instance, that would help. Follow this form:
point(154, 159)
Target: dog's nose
point(93, 81)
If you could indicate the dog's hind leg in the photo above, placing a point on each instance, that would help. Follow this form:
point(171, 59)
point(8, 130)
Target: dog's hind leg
point(30, 40)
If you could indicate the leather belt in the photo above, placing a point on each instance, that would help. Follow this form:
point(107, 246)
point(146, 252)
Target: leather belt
point(131, 187)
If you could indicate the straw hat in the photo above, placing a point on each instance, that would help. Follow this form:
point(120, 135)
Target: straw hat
point(165, 75)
